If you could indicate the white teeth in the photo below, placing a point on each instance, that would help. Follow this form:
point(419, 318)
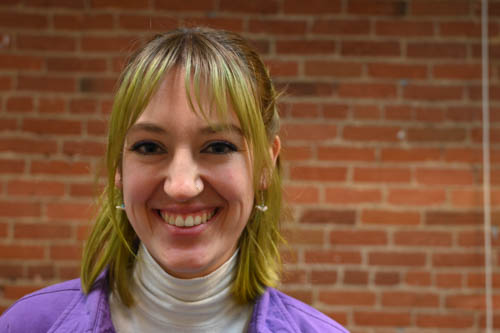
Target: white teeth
point(179, 221)
point(188, 221)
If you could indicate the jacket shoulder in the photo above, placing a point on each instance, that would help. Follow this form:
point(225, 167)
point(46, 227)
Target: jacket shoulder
point(276, 311)
point(36, 312)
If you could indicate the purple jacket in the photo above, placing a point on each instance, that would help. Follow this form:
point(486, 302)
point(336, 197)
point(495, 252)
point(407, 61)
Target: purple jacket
point(64, 308)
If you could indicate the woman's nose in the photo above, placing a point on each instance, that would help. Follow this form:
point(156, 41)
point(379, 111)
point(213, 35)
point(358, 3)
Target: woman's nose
point(183, 180)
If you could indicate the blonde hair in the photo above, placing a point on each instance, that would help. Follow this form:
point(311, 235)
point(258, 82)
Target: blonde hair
point(236, 80)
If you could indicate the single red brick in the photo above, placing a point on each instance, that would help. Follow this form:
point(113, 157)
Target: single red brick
point(445, 320)
point(385, 8)
point(367, 90)
point(410, 259)
point(387, 278)
point(50, 105)
point(343, 153)
point(46, 84)
point(433, 92)
point(387, 217)
point(428, 176)
point(107, 44)
point(83, 22)
point(119, 4)
point(304, 236)
point(16, 20)
point(418, 278)
point(379, 318)
point(371, 133)
point(333, 68)
point(35, 188)
point(74, 4)
point(416, 197)
point(20, 104)
point(410, 299)
point(452, 218)
point(58, 167)
point(341, 27)
point(277, 26)
point(404, 28)
point(410, 155)
point(69, 211)
point(41, 272)
point(248, 7)
point(97, 85)
point(301, 194)
point(358, 237)
point(382, 175)
point(290, 276)
point(48, 43)
point(23, 252)
point(370, 48)
point(355, 277)
point(282, 67)
point(308, 132)
point(333, 257)
point(296, 153)
point(27, 146)
point(235, 24)
point(20, 62)
point(323, 277)
point(441, 8)
point(329, 216)
point(423, 238)
point(11, 166)
point(65, 252)
point(52, 126)
point(148, 22)
point(395, 71)
point(85, 148)
point(349, 298)
point(323, 174)
point(303, 88)
point(312, 7)
point(449, 280)
point(436, 50)
point(460, 28)
point(457, 259)
point(436, 135)
point(343, 195)
point(76, 64)
point(41, 231)
point(305, 47)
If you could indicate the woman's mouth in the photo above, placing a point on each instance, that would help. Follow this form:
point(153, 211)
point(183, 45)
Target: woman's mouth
point(187, 220)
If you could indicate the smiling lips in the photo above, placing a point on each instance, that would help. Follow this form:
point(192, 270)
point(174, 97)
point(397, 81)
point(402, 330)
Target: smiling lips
point(187, 220)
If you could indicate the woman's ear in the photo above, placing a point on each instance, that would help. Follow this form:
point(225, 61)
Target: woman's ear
point(118, 180)
point(274, 151)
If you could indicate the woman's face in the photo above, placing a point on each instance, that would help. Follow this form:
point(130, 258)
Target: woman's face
point(187, 188)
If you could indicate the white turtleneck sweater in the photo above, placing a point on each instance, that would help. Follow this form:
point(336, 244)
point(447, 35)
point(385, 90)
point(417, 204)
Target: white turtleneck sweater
point(164, 303)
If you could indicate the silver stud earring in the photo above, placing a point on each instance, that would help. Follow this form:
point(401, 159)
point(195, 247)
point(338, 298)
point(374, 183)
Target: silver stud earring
point(262, 207)
point(121, 207)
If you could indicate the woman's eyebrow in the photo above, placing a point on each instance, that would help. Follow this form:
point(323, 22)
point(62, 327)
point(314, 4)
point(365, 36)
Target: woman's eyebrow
point(148, 127)
point(217, 128)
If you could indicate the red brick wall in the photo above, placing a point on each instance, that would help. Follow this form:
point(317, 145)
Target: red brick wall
point(382, 132)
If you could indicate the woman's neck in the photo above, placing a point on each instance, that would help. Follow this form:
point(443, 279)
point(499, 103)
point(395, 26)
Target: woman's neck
point(200, 304)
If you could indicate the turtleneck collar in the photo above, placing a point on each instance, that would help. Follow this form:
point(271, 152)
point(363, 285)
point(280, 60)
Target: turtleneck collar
point(163, 301)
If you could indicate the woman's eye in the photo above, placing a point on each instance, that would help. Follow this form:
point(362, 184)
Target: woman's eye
point(147, 148)
point(220, 147)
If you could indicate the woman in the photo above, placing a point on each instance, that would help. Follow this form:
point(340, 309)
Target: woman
point(187, 236)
